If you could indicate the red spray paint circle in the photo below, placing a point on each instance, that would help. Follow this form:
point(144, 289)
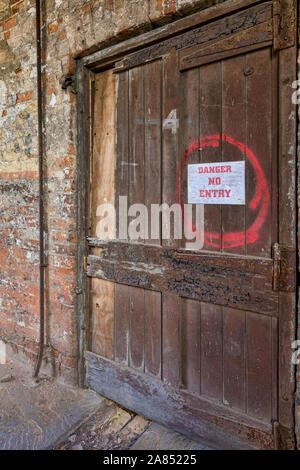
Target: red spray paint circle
point(261, 198)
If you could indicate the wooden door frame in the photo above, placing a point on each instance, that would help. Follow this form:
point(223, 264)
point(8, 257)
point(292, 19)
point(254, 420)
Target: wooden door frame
point(108, 57)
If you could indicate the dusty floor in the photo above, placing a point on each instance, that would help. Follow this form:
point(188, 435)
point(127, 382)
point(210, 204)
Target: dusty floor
point(113, 428)
point(34, 415)
point(47, 415)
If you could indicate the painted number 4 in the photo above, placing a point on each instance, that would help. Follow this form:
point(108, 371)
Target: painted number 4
point(171, 122)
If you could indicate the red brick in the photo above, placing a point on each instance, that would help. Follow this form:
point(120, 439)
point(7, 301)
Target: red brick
point(8, 24)
point(26, 96)
point(16, 8)
point(52, 28)
point(169, 6)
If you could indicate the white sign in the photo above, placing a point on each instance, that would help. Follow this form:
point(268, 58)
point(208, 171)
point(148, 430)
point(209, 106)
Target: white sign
point(216, 183)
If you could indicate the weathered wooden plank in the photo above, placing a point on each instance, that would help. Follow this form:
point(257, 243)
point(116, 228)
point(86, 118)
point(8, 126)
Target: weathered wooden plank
point(170, 137)
point(285, 14)
point(121, 189)
point(83, 168)
point(233, 124)
point(190, 315)
point(211, 124)
point(191, 344)
point(240, 21)
point(102, 318)
point(177, 409)
point(171, 304)
point(136, 195)
point(114, 52)
point(287, 236)
point(153, 195)
point(259, 140)
point(153, 333)
point(222, 279)
point(253, 38)
point(103, 192)
point(171, 340)
point(136, 329)
point(121, 324)
point(259, 366)
point(153, 138)
point(212, 351)
point(103, 171)
point(234, 361)
point(189, 133)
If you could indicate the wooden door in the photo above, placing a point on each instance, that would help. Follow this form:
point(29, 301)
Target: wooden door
point(197, 339)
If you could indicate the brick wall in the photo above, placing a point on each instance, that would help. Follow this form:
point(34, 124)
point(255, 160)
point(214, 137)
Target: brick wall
point(297, 407)
point(71, 27)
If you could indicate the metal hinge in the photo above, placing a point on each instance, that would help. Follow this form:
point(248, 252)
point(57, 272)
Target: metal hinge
point(284, 15)
point(284, 268)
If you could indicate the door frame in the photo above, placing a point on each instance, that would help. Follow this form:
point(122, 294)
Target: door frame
point(287, 112)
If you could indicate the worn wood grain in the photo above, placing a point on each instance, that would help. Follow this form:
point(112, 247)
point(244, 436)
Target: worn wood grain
point(136, 195)
point(234, 103)
point(206, 321)
point(236, 44)
point(110, 54)
point(226, 280)
point(287, 235)
point(103, 192)
point(240, 21)
point(153, 195)
point(184, 412)
point(121, 189)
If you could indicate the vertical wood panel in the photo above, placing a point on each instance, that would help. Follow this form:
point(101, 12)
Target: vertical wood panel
point(287, 233)
point(234, 126)
point(103, 191)
point(211, 351)
point(103, 184)
point(171, 304)
point(153, 117)
point(102, 321)
point(153, 133)
point(234, 331)
point(122, 183)
point(137, 314)
point(121, 324)
point(171, 340)
point(190, 320)
point(211, 124)
point(153, 333)
point(259, 140)
point(259, 366)
point(189, 130)
point(136, 196)
point(191, 351)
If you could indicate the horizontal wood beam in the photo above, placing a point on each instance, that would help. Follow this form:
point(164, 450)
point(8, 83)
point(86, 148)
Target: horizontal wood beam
point(228, 280)
point(180, 410)
point(110, 54)
point(233, 30)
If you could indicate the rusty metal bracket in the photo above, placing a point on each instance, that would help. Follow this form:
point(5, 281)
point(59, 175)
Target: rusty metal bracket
point(284, 14)
point(284, 268)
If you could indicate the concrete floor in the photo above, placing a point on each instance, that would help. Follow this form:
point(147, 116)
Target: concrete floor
point(35, 415)
point(47, 415)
